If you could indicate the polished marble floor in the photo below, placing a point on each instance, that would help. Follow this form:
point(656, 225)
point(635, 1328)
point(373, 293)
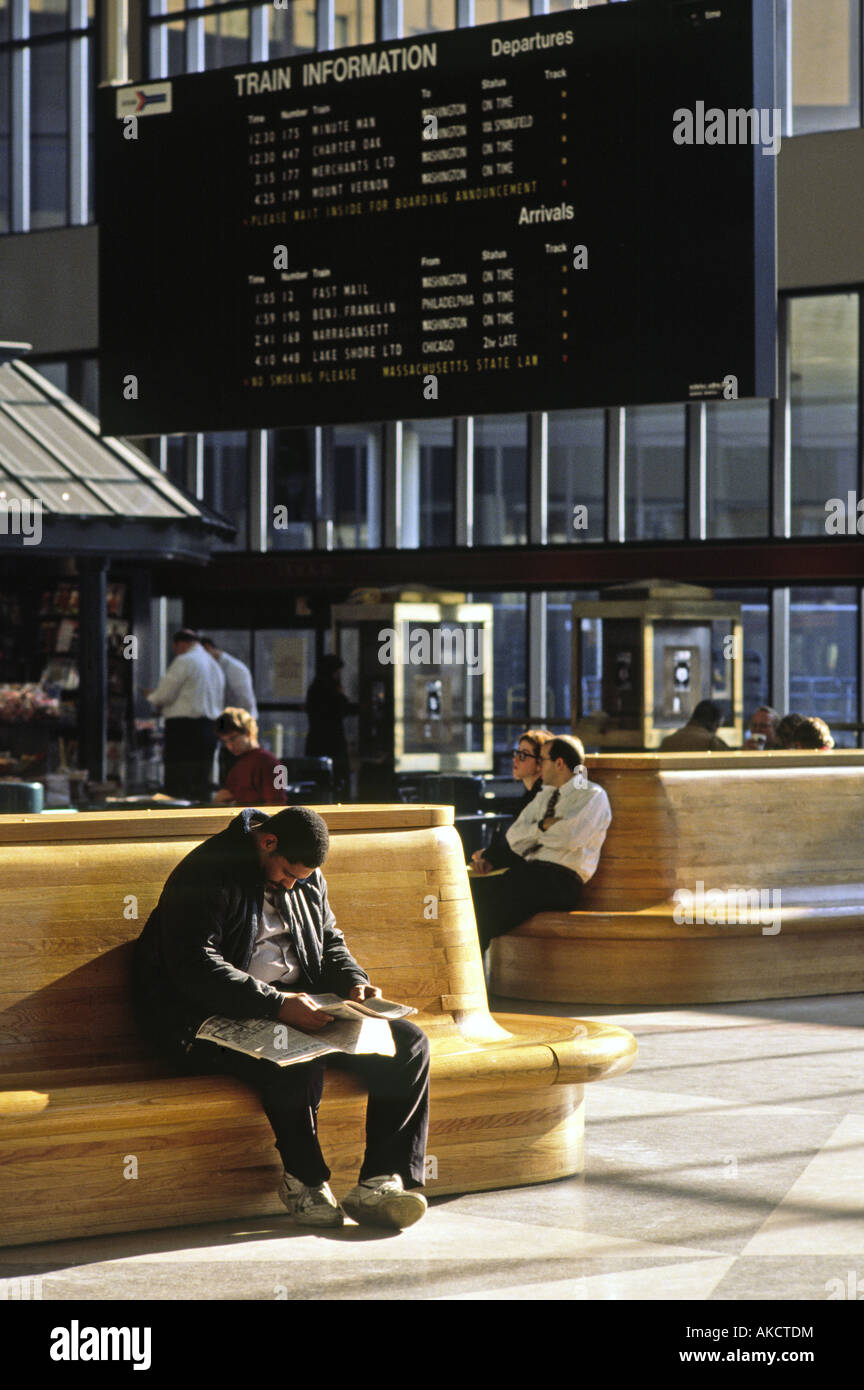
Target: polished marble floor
point(727, 1165)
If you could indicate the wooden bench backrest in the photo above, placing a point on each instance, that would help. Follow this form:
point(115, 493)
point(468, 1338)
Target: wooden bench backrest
point(76, 891)
point(793, 821)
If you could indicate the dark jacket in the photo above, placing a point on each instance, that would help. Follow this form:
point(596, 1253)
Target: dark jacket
point(192, 956)
point(326, 707)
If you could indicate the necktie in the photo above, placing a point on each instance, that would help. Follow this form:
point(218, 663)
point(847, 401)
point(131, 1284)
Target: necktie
point(549, 811)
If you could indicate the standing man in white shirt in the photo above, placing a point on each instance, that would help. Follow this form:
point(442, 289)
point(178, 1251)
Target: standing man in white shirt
point(558, 837)
point(239, 693)
point(190, 698)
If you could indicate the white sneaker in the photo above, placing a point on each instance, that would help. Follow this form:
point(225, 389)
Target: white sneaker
point(310, 1206)
point(383, 1201)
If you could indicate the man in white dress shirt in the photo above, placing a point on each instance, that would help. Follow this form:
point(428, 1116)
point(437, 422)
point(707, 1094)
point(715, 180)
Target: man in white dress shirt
point(239, 693)
point(558, 836)
point(190, 697)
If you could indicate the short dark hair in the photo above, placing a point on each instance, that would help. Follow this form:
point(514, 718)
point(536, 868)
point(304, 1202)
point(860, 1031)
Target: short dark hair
point(786, 732)
point(301, 834)
point(185, 634)
point(707, 713)
point(566, 749)
point(208, 642)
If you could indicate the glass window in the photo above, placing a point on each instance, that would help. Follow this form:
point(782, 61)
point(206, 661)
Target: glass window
point(428, 482)
point(824, 406)
point(283, 732)
point(500, 480)
point(654, 461)
point(173, 60)
point(292, 30)
point(590, 666)
point(175, 460)
point(56, 372)
point(291, 504)
point(823, 658)
point(559, 662)
point(738, 467)
point(225, 484)
point(755, 620)
point(826, 64)
point(226, 39)
point(510, 678)
point(355, 476)
point(49, 154)
point(5, 141)
point(48, 16)
point(353, 22)
point(498, 11)
point(576, 505)
point(84, 385)
point(421, 16)
point(90, 58)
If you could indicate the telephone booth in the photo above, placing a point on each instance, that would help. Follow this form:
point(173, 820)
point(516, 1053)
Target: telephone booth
point(645, 655)
point(421, 673)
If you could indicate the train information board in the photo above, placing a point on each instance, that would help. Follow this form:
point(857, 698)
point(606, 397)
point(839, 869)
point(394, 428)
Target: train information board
point(573, 210)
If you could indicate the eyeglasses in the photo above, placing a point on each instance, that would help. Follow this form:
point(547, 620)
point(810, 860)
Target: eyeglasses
point(518, 753)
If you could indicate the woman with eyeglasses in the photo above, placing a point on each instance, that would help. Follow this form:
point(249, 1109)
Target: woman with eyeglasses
point(526, 769)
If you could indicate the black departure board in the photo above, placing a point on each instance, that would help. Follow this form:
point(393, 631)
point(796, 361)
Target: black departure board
point(568, 211)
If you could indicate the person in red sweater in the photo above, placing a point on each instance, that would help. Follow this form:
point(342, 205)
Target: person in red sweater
point(252, 780)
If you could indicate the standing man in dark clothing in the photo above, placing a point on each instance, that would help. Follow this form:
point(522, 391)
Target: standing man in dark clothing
point(243, 929)
point(326, 707)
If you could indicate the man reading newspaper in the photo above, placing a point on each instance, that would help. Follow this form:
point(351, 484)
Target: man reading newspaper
point(243, 929)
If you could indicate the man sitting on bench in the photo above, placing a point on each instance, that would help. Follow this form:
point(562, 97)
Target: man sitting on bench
point(243, 929)
point(558, 837)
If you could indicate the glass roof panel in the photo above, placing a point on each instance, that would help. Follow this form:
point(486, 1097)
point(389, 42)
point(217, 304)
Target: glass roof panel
point(136, 499)
point(71, 498)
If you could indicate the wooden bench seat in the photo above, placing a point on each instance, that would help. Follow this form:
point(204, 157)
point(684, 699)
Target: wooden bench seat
point(790, 824)
point(83, 1107)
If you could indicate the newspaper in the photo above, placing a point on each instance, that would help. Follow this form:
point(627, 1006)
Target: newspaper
point(351, 1008)
point(278, 1042)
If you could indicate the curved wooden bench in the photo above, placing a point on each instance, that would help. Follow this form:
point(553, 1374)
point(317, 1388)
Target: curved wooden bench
point(97, 1136)
point(791, 823)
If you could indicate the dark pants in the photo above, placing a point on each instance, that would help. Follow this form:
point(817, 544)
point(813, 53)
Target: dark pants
point(397, 1112)
point(188, 758)
point(502, 901)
